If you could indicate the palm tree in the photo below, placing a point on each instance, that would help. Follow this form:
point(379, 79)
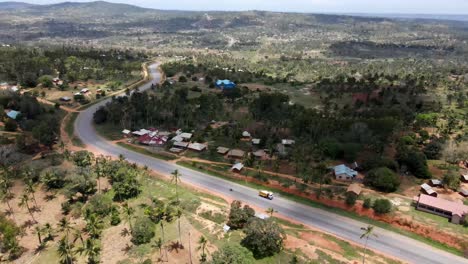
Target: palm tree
point(99, 169)
point(368, 231)
point(24, 202)
point(176, 180)
point(48, 230)
point(202, 245)
point(65, 225)
point(92, 249)
point(65, 250)
point(39, 232)
point(94, 226)
point(5, 190)
point(178, 214)
point(30, 189)
point(271, 211)
point(129, 212)
point(159, 245)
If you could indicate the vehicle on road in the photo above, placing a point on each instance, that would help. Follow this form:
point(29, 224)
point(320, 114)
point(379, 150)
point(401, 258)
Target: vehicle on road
point(266, 194)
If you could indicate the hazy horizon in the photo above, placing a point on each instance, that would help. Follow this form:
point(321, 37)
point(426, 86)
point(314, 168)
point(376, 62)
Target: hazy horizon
point(416, 7)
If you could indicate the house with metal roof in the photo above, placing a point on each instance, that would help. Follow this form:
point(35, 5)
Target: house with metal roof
point(237, 167)
point(427, 189)
point(13, 114)
point(222, 150)
point(225, 84)
point(236, 154)
point(452, 210)
point(197, 146)
point(343, 172)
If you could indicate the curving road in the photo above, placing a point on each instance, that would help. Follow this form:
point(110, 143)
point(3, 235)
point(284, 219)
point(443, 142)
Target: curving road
point(387, 242)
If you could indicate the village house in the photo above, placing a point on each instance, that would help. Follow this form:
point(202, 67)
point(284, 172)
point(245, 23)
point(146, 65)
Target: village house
point(435, 183)
point(256, 141)
point(182, 145)
point(126, 132)
point(84, 90)
point(237, 167)
point(454, 211)
point(464, 192)
point(246, 134)
point(225, 84)
point(288, 142)
point(354, 189)
point(427, 189)
point(259, 154)
point(65, 99)
point(197, 147)
point(343, 172)
point(13, 114)
point(222, 150)
point(236, 154)
point(464, 177)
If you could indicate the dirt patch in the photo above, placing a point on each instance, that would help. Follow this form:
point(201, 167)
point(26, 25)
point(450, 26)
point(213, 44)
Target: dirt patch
point(320, 241)
point(115, 243)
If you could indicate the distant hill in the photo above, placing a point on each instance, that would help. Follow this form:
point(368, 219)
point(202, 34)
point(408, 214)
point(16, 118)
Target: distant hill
point(459, 17)
point(14, 5)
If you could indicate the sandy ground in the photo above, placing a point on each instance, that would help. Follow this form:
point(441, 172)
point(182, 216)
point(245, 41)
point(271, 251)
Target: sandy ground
point(47, 212)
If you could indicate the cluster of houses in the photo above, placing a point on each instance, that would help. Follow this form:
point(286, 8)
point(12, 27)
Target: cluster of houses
point(429, 188)
point(6, 86)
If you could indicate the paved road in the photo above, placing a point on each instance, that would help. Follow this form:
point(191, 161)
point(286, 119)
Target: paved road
point(387, 242)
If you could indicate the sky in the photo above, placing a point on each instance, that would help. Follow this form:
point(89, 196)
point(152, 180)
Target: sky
point(309, 6)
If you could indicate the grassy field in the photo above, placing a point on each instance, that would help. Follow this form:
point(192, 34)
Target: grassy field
point(331, 209)
point(70, 129)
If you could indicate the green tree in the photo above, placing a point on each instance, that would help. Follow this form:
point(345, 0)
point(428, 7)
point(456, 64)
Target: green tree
point(368, 232)
point(263, 237)
point(143, 231)
point(350, 198)
point(451, 180)
point(94, 225)
point(232, 254)
point(83, 158)
point(383, 179)
point(239, 216)
point(129, 213)
point(382, 206)
point(11, 125)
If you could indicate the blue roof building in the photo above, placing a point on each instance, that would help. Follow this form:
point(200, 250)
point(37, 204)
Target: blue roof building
point(13, 114)
point(343, 172)
point(225, 84)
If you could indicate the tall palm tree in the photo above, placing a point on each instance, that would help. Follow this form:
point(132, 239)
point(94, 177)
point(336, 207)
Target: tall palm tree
point(66, 252)
point(24, 202)
point(178, 214)
point(91, 249)
point(129, 212)
point(99, 169)
point(368, 231)
point(31, 189)
point(159, 245)
point(39, 231)
point(5, 190)
point(48, 231)
point(175, 178)
point(202, 245)
point(270, 211)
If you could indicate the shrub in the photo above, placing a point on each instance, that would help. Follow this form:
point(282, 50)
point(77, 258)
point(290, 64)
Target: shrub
point(382, 206)
point(367, 203)
point(115, 217)
point(351, 199)
point(233, 253)
point(10, 125)
point(100, 204)
point(143, 231)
